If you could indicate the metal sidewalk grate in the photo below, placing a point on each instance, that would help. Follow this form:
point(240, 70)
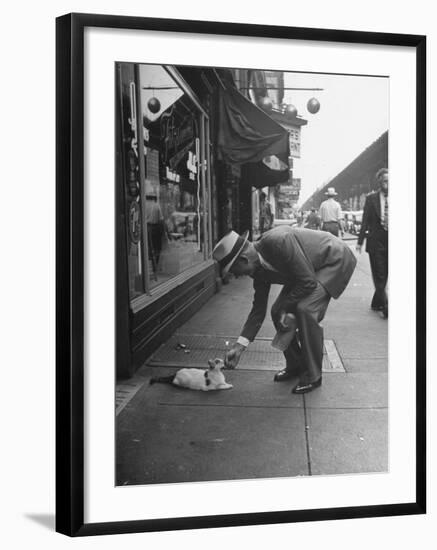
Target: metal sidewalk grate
point(188, 350)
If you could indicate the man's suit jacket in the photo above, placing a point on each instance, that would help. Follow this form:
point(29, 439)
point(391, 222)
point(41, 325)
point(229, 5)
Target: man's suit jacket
point(371, 226)
point(300, 258)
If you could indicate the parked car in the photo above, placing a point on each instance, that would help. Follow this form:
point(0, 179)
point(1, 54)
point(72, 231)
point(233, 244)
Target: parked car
point(182, 225)
point(280, 221)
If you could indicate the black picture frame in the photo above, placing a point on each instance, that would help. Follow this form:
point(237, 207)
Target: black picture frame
point(70, 273)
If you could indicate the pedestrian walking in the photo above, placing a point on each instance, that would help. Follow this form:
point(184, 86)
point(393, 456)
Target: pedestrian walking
point(265, 213)
point(155, 227)
point(312, 267)
point(374, 228)
point(331, 214)
point(313, 220)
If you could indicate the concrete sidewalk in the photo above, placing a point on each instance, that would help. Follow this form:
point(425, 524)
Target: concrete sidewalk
point(259, 429)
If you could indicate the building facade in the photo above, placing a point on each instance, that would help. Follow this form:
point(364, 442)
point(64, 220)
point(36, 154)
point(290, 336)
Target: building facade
point(185, 175)
point(266, 90)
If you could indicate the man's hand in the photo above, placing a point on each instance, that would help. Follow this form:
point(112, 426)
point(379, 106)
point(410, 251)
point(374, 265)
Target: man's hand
point(281, 323)
point(232, 357)
point(286, 321)
point(358, 248)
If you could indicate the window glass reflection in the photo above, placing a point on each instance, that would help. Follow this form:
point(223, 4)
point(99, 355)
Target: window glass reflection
point(172, 187)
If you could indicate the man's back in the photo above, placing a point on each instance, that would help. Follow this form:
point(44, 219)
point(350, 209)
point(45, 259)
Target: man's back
point(331, 259)
point(330, 211)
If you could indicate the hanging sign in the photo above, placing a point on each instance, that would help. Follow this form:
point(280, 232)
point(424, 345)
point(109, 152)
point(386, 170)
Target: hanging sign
point(152, 170)
point(175, 160)
point(176, 133)
point(294, 139)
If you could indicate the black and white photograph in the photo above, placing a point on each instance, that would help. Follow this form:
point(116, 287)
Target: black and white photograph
point(215, 275)
point(252, 273)
point(227, 252)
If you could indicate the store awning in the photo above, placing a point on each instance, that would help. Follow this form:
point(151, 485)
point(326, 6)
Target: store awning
point(247, 135)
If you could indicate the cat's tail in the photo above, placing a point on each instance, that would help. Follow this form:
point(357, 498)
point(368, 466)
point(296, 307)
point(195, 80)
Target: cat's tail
point(163, 379)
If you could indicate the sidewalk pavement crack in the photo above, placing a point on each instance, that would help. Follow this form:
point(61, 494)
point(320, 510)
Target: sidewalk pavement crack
point(306, 425)
point(245, 406)
point(347, 408)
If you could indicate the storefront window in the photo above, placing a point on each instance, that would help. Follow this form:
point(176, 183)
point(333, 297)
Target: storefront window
point(173, 186)
point(162, 163)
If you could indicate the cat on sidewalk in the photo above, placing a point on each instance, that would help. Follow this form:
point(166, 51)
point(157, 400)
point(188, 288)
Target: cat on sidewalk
point(197, 379)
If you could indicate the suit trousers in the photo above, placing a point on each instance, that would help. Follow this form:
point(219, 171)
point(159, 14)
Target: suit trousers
point(305, 352)
point(378, 256)
point(331, 227)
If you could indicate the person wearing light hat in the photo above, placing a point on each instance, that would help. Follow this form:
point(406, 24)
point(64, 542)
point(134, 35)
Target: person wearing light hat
point(155, 226)
point(330, 213)
point(312, 267)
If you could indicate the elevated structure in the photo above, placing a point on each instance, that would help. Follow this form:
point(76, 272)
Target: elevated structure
point(357, 179)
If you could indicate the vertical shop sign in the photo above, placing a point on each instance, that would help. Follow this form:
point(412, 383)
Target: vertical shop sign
point(294, 134)
point(152, 172)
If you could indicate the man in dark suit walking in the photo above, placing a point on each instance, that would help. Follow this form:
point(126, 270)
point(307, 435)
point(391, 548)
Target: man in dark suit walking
point(374, 229)
point(313, 267)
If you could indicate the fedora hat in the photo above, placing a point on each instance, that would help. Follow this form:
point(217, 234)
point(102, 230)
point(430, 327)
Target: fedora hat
point(331, 192)
point(227, 250)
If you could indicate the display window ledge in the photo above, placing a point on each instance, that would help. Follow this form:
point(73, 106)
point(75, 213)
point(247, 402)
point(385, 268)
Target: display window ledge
point(139, 303)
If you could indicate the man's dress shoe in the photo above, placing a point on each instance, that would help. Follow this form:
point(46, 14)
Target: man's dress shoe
point(285, 374)
point(305, 388)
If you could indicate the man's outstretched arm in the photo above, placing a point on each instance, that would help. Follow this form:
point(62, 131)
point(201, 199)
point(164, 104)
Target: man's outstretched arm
point(252, 325)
